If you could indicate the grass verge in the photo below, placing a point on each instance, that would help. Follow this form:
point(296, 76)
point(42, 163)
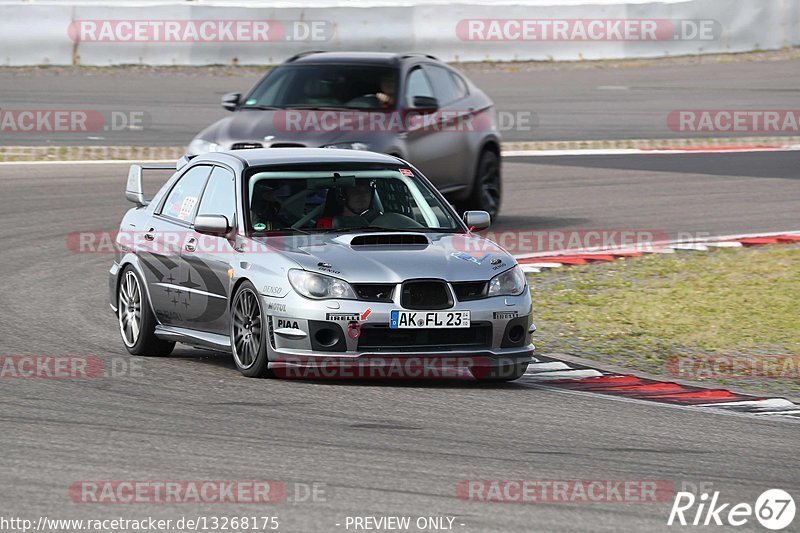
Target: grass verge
point(728, 305)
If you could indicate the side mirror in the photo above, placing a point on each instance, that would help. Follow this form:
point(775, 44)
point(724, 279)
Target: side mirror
point(426, 104)
point(134, 190)
point(477, 220)
point(212, 224)
point(231, 101)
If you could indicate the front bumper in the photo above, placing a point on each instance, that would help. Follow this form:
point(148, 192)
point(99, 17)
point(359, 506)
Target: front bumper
point(355, 334)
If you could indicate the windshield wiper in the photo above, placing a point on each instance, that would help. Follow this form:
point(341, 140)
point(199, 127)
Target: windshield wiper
point(279, 231)
point(400, 230)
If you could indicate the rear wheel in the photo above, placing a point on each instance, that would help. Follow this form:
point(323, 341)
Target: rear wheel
point(248, 328)
point(136, 321)
point(487, 187)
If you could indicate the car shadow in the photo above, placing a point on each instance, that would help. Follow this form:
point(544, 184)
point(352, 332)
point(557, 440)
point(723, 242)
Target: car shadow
point(225, 361)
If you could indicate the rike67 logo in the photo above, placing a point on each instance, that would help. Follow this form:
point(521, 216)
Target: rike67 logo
point(774, 509)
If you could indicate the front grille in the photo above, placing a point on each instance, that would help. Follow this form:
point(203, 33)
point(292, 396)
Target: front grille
point(426, 294)
point(246, 146)
point(374, 292)
point(470, 290)
point(380, 337)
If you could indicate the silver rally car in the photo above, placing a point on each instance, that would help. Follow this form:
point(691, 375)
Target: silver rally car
point(289, 257)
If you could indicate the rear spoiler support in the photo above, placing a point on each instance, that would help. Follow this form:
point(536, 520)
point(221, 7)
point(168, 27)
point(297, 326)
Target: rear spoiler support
point(134, 190)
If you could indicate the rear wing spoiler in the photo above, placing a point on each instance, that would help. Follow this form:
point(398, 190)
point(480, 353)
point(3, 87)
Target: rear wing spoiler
point(134, 190)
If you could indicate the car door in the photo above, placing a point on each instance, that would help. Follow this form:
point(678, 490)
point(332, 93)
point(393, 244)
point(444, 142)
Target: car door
point(208, 258)
point(160, 255)
point(434, 145)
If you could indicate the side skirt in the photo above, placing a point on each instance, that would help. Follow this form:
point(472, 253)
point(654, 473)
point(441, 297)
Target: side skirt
point(194, 337)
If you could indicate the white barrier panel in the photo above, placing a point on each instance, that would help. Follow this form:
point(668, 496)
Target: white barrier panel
point(154, 33)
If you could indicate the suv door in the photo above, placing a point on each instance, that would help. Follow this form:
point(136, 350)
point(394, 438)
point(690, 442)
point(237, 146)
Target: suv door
point(433, 140)
point(161, 253)
point(456, 118)
point(208, 257)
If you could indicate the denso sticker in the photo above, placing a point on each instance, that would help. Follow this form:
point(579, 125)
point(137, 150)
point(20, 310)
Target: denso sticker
point(272, 290)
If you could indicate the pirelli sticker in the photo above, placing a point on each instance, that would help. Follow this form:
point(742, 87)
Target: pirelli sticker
point(505, 315)
point(345, 317)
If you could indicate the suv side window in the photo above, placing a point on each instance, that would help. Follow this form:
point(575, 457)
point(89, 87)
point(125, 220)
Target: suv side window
point(417, 84)
point(219, 198)
point(182, 199)
point(445, 85)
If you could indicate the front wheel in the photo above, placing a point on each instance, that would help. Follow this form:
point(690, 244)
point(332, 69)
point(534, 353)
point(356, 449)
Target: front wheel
point(248, 328)
point(136, 321)
point(487, 187)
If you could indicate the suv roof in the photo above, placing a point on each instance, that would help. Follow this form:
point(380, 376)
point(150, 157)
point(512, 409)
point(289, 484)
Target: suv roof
point(354, 57)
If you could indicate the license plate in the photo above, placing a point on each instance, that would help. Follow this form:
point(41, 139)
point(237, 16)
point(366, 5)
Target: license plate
point(429, 319)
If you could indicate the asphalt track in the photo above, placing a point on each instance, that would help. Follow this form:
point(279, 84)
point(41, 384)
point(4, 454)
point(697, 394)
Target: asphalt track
point(379, 448)
point(613, 100)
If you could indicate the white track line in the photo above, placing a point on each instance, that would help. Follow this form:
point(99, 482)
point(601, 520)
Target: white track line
point(564, 374)
point(640, 151)
point(724, 244)
point(89, 162)
point(691, 247)
point(771, 403)
point(548, 367)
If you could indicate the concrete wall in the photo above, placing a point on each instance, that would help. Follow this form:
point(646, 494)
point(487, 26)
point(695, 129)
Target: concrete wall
point(96, 33)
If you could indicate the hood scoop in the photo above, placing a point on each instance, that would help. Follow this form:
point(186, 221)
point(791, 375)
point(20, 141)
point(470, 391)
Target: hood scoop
point(390, 239)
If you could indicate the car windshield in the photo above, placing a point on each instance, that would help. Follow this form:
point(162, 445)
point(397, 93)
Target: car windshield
point(317, 201)
point(326, 86)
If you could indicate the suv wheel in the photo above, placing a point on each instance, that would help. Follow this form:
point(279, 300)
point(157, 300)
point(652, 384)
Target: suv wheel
point(486, 189)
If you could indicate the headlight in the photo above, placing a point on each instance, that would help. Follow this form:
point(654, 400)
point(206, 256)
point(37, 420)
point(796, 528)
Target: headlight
point(201, 146)
point(348, 146)
point(319, 286)
point(509, 283)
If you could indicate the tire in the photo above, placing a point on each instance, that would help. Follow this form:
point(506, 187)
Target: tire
point(136, 321)
point(487, 187)
point(248, 333)
point(503, 373)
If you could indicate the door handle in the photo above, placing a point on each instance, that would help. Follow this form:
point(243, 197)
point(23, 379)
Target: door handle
point(191, 245)
point(150, 236)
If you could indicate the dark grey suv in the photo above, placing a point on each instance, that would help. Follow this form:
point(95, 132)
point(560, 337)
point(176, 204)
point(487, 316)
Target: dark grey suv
point(409, 105)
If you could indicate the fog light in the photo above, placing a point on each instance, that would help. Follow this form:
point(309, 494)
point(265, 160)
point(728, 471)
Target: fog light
point(326, 337)
point(516, 333)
